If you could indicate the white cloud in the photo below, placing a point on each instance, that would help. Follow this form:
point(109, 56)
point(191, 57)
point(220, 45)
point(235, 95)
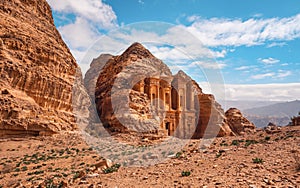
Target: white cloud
point(283, 74)
point(141, 2)
point(272, 92)
point(269, 60)
point(273, 44)
point(208, 65)
point(257, 15)
point(275, 75)
point(255, 92)
point(242, 68)
point(91, 17)
point(94, 11)
point(79, 34)
point(236, 32)
point(193, 18)
point(262, 76)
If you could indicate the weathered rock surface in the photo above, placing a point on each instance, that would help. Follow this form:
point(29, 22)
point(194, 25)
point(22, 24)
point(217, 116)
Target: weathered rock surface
point(212, 119)
point(237, 122)
point(123, 106)
point(37, 71)
point(91, 76)
point(120, 108)
point(272, 128)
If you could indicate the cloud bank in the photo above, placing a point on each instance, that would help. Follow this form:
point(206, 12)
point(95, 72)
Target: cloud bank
point(237, 32)
point(258, 92)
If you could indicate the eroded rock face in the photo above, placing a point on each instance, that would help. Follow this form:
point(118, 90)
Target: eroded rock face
point(92, 74)
point(132, 86)
point(37, 71)
point(211, 118)
point(237, 122)
point(120, 108)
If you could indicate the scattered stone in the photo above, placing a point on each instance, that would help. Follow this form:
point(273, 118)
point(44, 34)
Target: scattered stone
point(5, 92)
point(106, 163)
point(145, 178)
point(272, 128)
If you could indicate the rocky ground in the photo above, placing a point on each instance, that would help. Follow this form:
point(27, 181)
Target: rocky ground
point(262, 159)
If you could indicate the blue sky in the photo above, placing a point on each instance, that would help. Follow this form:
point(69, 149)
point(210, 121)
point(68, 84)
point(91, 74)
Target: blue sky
point(253, 44)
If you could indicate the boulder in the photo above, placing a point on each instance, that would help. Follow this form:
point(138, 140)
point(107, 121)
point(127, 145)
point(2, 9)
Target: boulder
point(238, 123)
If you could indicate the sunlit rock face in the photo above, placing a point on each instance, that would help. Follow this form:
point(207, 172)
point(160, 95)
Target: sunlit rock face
point(136, 92)
point(37, 71)
point(238, 123)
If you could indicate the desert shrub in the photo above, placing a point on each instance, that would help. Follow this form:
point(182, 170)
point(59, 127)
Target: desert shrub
point(17, 170)
point(35, 172)
point(267, 138)
point(223, 143)
point(185, 173)
point(218, 155)
point(178, 154)
point(76, 175)
point(24, 168)
point(50, 184)
point(37, 167)
point(249, 142)
point(113, 168)
point(237, 142)
point(257, 160)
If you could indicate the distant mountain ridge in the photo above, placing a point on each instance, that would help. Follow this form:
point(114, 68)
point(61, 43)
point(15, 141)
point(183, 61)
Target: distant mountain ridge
point(243, 105)
point(280, 109)
point(279, 114)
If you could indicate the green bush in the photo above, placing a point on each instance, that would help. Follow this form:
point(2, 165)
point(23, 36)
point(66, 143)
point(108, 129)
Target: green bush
point(17, 170)
point(178, 154)
point(257, 160)
point(235, 143)
point(218, 155)
point(113, 168)
point(249, 142)
point(185, 173)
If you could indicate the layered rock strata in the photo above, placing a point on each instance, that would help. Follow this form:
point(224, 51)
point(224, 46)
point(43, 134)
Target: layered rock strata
point(37, 71)
point(136, 92)
point(237, 122)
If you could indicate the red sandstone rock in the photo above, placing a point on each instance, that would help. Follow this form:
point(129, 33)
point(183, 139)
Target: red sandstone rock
point(37, 71)
point(127, 86)
point(237, 122)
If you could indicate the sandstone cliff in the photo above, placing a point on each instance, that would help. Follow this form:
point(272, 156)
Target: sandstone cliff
point(120, 108)
point(37, 72)
point(125, 104)
point(237, 122)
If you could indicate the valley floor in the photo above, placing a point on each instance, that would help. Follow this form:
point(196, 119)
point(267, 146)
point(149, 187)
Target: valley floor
point(253, 160)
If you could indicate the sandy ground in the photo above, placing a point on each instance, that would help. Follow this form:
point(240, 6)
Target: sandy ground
point(253, 160)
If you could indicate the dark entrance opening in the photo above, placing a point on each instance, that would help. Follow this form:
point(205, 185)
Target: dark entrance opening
point(168, 128)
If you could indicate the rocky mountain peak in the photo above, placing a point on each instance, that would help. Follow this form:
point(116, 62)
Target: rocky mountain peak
point(182, 75)
point(137, 50)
